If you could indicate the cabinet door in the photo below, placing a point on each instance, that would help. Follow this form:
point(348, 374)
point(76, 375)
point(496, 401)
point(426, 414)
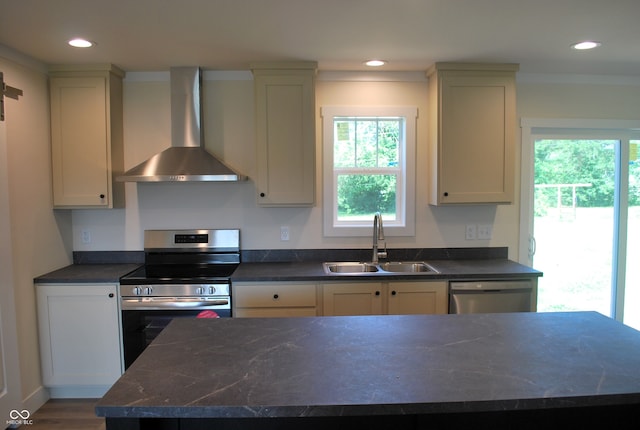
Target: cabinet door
point(86, 137)
point(285, 126)
point(352, 298)
point(79, 141)
point(407, 298)
point(478, 126)
point(473, 135)
point(79, 334)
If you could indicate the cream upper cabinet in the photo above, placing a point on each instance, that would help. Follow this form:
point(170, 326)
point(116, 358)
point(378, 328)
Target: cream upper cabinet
point(285, 127)
point(472, 126)
point(86, 137)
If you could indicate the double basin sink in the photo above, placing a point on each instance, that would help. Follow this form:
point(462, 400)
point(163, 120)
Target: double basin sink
point(345, 267)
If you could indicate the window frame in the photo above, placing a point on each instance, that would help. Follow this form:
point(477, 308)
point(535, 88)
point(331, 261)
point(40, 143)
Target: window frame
point(405, 196)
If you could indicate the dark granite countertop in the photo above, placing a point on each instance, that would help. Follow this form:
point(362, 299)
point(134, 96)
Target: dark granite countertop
point(489, 268)
point(379, 365)
point(93, 273)
point(306, 265)
point(95, 267)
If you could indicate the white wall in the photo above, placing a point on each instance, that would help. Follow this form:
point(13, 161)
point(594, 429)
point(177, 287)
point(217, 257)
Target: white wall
point(229, 129)
point(40, 238)
point(575, 96)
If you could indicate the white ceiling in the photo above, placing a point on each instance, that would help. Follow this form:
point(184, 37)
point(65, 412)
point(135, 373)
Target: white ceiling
point(149, 35)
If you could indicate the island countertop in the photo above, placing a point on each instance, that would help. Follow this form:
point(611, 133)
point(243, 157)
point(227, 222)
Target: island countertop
point(379, 365)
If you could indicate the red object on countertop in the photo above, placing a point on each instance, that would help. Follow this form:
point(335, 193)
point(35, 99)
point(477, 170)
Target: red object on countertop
point(208, 314)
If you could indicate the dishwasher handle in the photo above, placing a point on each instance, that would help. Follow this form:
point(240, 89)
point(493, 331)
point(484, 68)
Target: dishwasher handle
point(489, 286)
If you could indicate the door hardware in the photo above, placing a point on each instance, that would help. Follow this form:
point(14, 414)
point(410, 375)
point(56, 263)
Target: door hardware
point(6, 90)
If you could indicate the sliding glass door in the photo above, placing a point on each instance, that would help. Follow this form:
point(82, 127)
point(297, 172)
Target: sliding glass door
point(573, 220)
point(580, 201)
point(631, 303)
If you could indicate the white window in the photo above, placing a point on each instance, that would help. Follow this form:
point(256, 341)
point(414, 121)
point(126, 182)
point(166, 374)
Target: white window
point(369, 167)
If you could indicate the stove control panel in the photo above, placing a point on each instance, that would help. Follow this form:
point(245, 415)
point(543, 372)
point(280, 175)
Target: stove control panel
point(142, 291)
point(171, 290)
point(191, 238)
point(209, 290)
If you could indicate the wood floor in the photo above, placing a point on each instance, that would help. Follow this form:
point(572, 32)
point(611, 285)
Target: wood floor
point(67, 414)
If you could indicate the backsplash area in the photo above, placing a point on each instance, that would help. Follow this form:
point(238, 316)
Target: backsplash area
point(283, 255)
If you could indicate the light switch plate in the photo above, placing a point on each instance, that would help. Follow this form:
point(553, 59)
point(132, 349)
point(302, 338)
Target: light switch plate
point(485, 231)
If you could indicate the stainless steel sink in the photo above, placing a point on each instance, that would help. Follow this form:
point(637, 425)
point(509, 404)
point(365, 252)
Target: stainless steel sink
point(346, 267)
point(349, 267)
point(407, 267)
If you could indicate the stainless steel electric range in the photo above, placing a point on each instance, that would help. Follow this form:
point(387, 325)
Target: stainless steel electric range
point(186, 274)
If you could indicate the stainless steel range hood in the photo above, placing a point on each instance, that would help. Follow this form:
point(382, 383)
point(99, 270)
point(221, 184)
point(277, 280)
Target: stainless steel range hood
point(186, 159)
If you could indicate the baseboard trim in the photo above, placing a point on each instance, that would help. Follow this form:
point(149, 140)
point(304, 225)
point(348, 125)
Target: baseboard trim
point(36, 399)
point(78, 392)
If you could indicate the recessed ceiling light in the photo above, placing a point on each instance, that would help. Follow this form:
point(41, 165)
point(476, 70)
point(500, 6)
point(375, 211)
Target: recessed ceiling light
point(588, 44)
point(375, 63)
point(81, 43)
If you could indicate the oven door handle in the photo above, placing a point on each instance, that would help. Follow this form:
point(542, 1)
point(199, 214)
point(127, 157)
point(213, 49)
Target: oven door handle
point(130, 304)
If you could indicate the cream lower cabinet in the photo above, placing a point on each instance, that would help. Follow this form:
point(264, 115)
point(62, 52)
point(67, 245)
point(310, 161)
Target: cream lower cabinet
point(405, 298)
point(79, 332)
point(274, 299)
point(379, 298)
point(352, 298)
point(297, 299)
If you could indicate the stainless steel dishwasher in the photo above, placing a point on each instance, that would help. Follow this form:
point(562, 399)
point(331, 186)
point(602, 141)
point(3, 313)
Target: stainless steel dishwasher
point(473, 297)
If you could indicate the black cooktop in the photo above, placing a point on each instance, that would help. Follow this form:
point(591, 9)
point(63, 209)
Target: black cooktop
point(179, 273)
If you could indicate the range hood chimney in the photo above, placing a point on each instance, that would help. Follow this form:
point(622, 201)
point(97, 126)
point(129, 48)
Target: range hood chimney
point(186, 159)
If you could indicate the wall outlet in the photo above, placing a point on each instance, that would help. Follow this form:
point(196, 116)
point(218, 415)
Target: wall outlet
point(484, 231)
point(85, 236)
point(470, 232)
point(284, 233)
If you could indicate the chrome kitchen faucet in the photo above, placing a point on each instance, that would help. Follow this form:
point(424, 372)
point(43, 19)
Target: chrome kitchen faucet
point(378, 234)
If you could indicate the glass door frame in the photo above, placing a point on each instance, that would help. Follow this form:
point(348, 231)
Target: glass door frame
point(622, 130)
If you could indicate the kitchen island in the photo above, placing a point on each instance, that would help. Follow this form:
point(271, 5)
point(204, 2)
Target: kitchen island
point(520, 370)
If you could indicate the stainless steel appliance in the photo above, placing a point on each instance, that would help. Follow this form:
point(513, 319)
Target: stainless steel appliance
point(186, 274)
point(474, 297)
point(186, 159)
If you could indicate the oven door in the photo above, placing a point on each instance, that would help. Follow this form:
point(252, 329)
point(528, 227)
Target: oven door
point(144, 319)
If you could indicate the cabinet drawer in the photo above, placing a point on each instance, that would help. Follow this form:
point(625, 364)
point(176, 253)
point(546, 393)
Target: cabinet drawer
point(274, 295)
point(275, 312)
